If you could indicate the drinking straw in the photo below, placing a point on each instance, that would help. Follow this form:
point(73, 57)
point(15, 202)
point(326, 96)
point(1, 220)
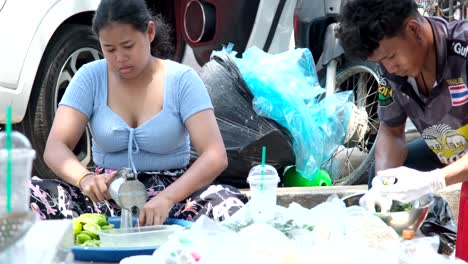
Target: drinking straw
point(8, 129)
point(263, 166)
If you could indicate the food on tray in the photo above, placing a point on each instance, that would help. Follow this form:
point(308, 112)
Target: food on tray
point(86, 229)
point(287, 228)
point(401, 207)
point(397, 207)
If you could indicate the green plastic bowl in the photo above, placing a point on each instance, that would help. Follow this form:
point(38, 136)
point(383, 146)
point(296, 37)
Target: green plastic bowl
point(293, 178)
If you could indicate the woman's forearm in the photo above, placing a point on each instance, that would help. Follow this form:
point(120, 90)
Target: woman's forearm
point(202, 172)
point(63, 162)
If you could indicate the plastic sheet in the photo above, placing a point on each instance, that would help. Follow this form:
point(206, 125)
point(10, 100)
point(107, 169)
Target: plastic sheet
point(244, 132)
point(284, 240)
point(286, 89)
point(423, 250)
point(439, 222)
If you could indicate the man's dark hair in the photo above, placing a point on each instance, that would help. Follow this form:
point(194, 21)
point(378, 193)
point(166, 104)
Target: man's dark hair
point(364, 23)
point(137, 14)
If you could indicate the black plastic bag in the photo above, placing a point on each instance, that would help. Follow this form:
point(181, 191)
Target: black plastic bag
point(244, 132)
point(440, 222)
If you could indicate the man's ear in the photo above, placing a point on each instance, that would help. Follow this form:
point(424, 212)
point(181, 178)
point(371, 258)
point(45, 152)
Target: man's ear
point(151, 30)
point(413, 29)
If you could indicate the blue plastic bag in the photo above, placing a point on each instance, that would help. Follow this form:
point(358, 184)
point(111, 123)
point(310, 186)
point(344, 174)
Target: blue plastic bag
point(286, 89)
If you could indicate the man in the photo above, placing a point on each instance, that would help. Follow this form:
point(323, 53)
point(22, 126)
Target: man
point(425, 80)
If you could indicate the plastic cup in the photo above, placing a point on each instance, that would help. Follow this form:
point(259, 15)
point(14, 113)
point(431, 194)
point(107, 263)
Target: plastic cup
point(22, 157)
point(263, 191)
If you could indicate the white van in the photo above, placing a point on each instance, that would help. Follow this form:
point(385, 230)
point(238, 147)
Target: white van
point(44, 42)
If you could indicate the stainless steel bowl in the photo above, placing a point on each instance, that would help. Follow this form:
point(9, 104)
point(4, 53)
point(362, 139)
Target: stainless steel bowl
point(399, 221)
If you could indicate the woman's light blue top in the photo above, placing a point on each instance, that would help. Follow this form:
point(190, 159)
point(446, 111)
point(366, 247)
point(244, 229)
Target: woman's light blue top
point(160, 143)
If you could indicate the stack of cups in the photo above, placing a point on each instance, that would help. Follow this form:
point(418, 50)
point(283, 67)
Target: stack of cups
point(263, 181)
point(22, 156)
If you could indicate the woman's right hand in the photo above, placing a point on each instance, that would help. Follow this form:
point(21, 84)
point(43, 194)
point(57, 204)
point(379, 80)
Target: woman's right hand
point(95, 186)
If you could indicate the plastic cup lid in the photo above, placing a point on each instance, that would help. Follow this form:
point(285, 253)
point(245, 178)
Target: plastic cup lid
point(269, 174)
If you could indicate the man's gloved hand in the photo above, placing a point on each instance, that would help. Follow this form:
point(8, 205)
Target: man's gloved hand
point(372, 198)
point(405, 185)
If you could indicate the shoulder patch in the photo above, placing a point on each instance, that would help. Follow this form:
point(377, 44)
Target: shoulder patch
point(458, 48)
point(458, 94)
point(385, 93)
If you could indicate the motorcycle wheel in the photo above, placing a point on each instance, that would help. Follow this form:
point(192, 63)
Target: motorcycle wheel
point(350, 163)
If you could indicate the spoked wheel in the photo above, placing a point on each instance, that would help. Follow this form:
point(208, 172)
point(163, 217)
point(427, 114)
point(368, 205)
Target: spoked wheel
point(350, 162)
point(71, 47)
point(77, 59)
point(448, 9)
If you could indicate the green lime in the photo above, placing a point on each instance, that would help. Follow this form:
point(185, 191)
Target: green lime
point(81, 238)
point(107, 227)
point(102, 222)
point(77, 226)
point(92, 227)
point(91, 234)
point(92, 218)
point(92, 243)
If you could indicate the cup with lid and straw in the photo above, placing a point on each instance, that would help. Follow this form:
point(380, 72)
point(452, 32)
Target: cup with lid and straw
point(263, 180)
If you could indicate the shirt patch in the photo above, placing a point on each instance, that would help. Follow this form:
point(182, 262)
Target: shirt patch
point(459, 48)
point(385, 93)
point(458, 94)
point(448, 144)
point(455, 81)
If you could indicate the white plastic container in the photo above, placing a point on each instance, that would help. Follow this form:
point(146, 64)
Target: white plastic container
point(145, 236)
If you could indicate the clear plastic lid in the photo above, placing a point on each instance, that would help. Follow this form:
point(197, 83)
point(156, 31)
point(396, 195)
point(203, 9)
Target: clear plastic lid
point(18, 140)
point(20, 146)
point(269, 174)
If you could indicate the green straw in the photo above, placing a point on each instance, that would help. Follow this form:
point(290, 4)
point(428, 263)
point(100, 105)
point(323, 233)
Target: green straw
point(263, 166)
point(8, 164)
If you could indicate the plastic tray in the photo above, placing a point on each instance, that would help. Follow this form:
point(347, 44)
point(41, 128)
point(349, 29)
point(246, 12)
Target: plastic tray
point(116, 254)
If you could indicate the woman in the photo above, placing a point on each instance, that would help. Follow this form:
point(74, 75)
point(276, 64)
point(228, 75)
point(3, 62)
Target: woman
point(142, 110)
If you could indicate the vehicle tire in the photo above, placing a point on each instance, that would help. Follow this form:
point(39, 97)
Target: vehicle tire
point(346, 166)
point(70, 47)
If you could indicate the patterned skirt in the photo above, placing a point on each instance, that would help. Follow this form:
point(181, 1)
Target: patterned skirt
point(57, 199)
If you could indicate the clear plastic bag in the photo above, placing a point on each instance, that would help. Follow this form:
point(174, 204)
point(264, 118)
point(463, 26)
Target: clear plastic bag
point(286, 89)
point(244, 132)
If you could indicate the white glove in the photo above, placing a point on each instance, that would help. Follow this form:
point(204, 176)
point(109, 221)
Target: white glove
point(372, 198)
point(405, 185)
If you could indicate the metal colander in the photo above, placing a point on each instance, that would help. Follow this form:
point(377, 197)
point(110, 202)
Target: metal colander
point(13, 226)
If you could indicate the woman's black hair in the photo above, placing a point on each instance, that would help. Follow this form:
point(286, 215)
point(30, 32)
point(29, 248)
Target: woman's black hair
point(364, 23)
point(137, 14)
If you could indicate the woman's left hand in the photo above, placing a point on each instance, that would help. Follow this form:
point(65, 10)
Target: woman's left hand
point(155, 210)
